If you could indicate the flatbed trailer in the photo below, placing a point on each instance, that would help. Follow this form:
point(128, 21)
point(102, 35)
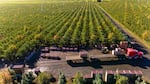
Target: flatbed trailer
point(106, 57)
point(101, 57)
point(74, 59)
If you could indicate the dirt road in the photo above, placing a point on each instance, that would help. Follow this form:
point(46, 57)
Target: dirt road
point(144, 64)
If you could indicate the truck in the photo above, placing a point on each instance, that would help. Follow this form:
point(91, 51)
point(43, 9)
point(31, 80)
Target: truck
point(133, 53)
point(129, 53)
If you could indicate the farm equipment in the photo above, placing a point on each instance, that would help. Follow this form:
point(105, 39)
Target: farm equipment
point(133, 53)
point(127, 52)
point(118, 52)
point(130, 53)
point(123, 44)
point(83, 54)
point(105, 50)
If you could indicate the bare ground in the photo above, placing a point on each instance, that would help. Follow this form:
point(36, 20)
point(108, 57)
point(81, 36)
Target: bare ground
point(56, 66)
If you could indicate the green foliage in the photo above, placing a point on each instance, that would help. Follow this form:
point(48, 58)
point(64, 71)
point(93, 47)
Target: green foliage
point(146, 35)
point(140, 81)
point(10, 52)
point(30, 26)
point(12, 73)
point(132, 17)
point(61, 79)
point(27, 78)
point(44, 78)
point(143, 82)
point(121, 79)
point(1, 51)
point(111, 37)
point(98, 79)
point(78, 79)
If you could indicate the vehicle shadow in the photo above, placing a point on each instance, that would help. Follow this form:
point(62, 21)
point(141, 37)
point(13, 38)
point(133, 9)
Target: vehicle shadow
point(142, 63)
point(140, 48)
point(95, 64)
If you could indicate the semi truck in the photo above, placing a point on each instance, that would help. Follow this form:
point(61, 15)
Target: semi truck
point(129, 53)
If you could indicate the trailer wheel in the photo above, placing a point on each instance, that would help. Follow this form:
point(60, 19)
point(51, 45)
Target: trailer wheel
point(123, 58)
point(141, 57)
point(129, 57)
point(136, 57)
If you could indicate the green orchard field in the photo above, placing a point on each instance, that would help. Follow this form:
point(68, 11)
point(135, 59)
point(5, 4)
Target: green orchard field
point(27, 25)
point(134, 14)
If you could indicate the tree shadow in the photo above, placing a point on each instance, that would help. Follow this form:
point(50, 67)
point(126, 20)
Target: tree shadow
point(2, 65)
point(31, 63)
point(140, 48)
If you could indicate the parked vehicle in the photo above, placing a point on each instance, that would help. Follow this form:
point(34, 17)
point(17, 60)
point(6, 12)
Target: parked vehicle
point(129, 53)
point(133, 53)
point(105, 50)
